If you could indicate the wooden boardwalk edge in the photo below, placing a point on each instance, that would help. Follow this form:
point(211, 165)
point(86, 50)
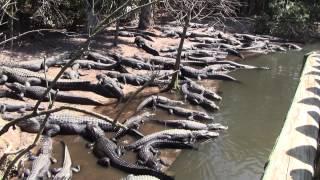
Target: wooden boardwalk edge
point(294, 153)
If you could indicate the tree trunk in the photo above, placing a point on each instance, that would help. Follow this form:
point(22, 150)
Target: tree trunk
point(146, 15)
point(175, 76)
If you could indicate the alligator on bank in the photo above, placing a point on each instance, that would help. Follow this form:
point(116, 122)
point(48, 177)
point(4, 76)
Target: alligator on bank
point(110, 86)
point(65, 172)
point(147, 154)
point(133, 123)
point(190, 125)
point(141, 43)
point(153, 100)
point(83, 63)
point(106, 151)
point(188, 113)
point(61, 124)
point(173, 134)
point(41, 165)
point(199, 74)
point(6, 107)
point(36, 92)
point(198, 99)
point(197, 88)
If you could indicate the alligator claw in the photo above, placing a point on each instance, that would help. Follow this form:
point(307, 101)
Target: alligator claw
point(76, 168)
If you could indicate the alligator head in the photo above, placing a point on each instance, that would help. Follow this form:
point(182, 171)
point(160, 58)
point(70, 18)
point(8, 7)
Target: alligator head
point(94, 132)
point(31, 125)
point(205, 134)
point(216, 126)
point(202, 115)
point(16, 87)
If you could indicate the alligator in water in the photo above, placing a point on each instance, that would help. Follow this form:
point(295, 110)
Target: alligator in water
point(133, 123)
point(61, 124)
point(188, 113)
point(190, 125)
point(106, 151)
point(198, 99)
point(37, 92)
point(65, 173)
point(182, 135)
point(41, 165)
point(153, 100)
point(147, 154)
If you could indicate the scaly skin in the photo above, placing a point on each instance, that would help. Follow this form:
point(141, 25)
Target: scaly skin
point(190, 125)
point(139, 177)
point(66, 172)
point(153, 100)
point(106, 151)
point(41, 165)
point(172, 134)
point(5, 107)
point(190, 114)
point(194, 87)
point(198, 99)
point(133, 123)
point(110, 85)
point(36, 92)
point(147, 155)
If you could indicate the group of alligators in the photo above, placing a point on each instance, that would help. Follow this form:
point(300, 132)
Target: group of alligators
point(22, 80)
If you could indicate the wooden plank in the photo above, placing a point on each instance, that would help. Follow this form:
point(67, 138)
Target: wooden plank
point(294, 153)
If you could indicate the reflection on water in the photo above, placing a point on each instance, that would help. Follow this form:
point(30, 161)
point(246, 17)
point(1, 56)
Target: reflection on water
point(254, 111)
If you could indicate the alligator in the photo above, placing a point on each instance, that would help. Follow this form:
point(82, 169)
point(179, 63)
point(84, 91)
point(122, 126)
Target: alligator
point(190, 114)
point(36, 65)
point(133, 34)
point(107, 152)
point(61, 124)
point(139, 177)
point(133, 123)
point(140, 42)
point(190, 125)
point(128, 78)
point(110, 86)
point(197, 88)
point(65, 173)
point(37, 92)
point(138, 64)
point(72, 74)
point(199, 74)
point(27, 77)
point(5, 107)
point(100, 58)
point(182, 135)
point(147, 153)
point(240, 66)
point(41, 165)
point(198, 99)
point(153, 100)
point(225, 68)
point(83, 63)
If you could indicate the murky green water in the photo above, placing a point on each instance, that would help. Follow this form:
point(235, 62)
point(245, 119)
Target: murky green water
point(255, 112)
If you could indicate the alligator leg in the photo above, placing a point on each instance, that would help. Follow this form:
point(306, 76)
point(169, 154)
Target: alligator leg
point(76, 168)
point(53, 130)
point(105, 161)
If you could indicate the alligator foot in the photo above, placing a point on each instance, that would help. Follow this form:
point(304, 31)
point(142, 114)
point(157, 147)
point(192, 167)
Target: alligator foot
point(76, 168)
point(90, 145)
point(104, 162)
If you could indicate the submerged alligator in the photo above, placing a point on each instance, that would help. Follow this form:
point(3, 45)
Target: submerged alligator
point(106, 151)
point(61, 124)
point(36, 92)
point(41, 165)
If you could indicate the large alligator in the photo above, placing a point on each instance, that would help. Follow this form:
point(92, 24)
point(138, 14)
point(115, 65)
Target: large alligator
point(133, 123)
point(27, 77)
point(61, 124)
point(141, 43)
point(197, 88)
point(147, 153)
point(128, 78)
point(65, 173)
point(110, 86)
point(6, 107)
point(198, 99)
point(106, 151)
point(36, 65)
point(240, 66)
point(101, 58)
point(138, 64)
point(41, 165)
point(190, 114)
point(36, 92)
point(172, 134)
point(153, 100)
point(83, 63)
point(190, 125)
